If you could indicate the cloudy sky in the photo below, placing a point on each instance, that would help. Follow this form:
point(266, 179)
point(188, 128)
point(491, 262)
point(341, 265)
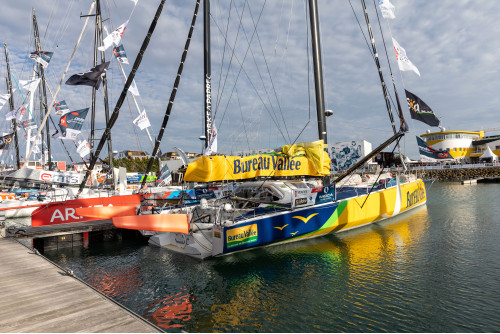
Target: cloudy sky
point(263, 93)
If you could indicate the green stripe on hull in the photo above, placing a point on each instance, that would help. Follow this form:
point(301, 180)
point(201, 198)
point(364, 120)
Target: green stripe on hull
point(330, 223)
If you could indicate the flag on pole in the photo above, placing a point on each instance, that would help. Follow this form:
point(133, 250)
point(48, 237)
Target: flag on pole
point(387, 9)
point(113, 38)
point(3, 99)
point(419, 110)
point(17, 114)
point(120, 54)
point(92, 77)
point(30, 85)
point(212, 144)
point(429, 154)
point(42, 57)
point(404, 63)
point(133, 89)
point(142, 121)
point(71, 124)
point(83, 148)
point(61, 108)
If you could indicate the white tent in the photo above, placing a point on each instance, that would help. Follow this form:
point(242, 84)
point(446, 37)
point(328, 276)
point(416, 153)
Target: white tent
point(489, 154)
point(409, 161)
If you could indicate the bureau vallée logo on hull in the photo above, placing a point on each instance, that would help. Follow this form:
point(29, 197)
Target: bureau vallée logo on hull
point(242, 235)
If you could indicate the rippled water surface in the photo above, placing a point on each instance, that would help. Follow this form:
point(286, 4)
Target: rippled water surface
point(436, 269)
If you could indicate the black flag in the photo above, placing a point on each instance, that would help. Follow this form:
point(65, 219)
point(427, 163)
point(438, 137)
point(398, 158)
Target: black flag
point(419, 110)
point(5, 141)
point(90, 78)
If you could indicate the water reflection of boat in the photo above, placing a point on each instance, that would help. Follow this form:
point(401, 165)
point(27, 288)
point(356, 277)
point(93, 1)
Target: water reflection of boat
point(329, 269)
point(171, 311)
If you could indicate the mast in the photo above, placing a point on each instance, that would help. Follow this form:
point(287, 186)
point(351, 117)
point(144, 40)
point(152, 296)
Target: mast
point(43, 93)
point(11, 105)
point(104, 86)
point(318, 70)
point(123, 94)
point(207, 75)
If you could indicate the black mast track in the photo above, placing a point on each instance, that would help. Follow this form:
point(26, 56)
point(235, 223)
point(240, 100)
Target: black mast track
point(172, 94)
point(116, 111)
point(318, 70)
point(11, 104)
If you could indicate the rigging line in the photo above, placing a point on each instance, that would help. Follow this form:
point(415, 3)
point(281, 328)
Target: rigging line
point(50, 19)
point(230, 62)
point(219, 94)
point(258, 71)
point(402, 121)
point(279, 24)
point(256, 91)
point(268, 71)
point(308, 60)
point(368, 45)
point(242, 118)
point(374, 183)
point(238, 75)
point(401, 76)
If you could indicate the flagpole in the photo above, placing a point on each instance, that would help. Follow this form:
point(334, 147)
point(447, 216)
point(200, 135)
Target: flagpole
point(62, 78)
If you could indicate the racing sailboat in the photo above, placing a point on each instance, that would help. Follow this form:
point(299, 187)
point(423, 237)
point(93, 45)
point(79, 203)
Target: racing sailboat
point(271, 207)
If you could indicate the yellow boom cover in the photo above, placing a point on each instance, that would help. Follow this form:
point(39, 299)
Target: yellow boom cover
point(303, 159)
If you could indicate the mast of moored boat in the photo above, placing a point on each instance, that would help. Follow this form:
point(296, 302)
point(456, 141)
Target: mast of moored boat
point(11, 105)
point(43, 93)
point(123, 94)
point(207, 75)
point(99, 39)
point(318, 70)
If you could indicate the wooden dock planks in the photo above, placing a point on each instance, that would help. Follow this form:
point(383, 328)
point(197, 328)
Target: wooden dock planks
point(37, 296)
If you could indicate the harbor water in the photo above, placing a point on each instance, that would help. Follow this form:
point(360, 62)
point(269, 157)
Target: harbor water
point(434, 269)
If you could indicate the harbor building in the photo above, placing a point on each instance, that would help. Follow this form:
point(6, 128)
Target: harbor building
point(465, 146)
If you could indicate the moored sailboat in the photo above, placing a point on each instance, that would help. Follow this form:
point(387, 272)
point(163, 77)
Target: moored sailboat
point(275, 209)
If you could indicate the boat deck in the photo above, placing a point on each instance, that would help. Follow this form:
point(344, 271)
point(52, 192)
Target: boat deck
point(38, 296)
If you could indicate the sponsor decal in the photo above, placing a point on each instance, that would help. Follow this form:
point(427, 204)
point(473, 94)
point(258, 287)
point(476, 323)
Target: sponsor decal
point(415, 196)
point(268, 163)
point(242, 235)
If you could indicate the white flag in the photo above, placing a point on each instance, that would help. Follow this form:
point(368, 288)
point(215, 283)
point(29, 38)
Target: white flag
point(403, 62)
point(387, 9)
point(135, 2)
point(142, 121)
point(30, 85)
point(212, 144)
point(83, 148)
point(3, 99)
point(113, 38)
point(133, 88)
point(17, 114)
